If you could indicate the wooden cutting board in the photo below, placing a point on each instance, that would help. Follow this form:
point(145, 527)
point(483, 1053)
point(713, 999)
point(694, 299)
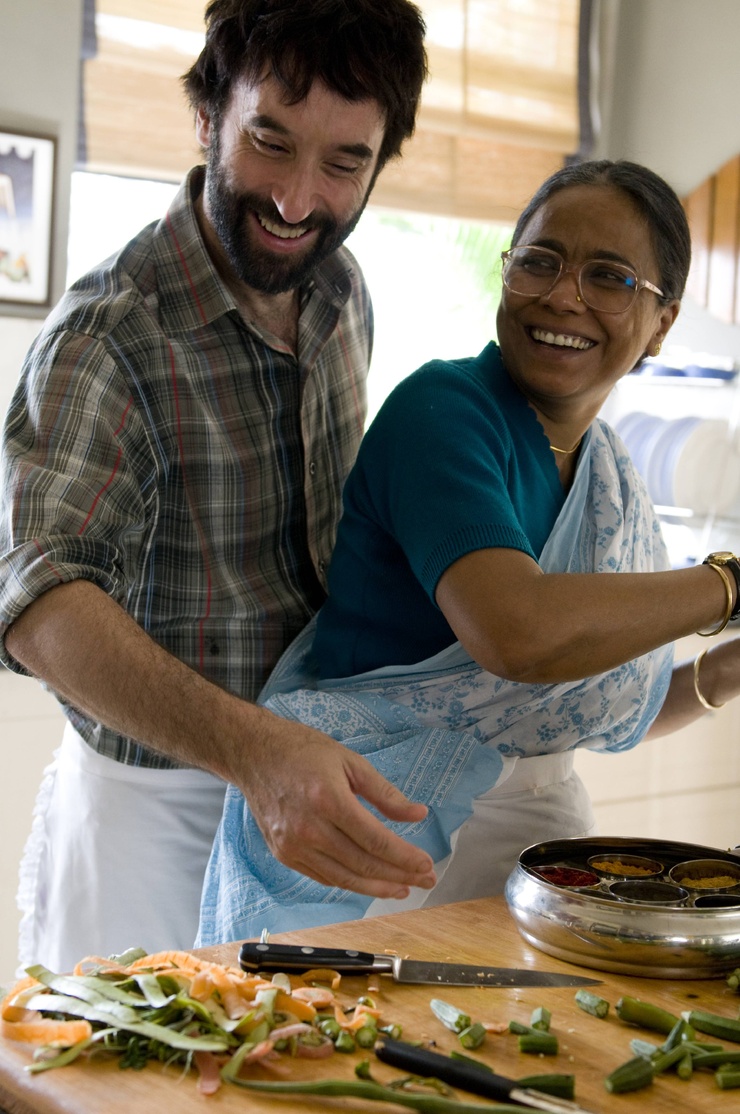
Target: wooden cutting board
point(470, 932)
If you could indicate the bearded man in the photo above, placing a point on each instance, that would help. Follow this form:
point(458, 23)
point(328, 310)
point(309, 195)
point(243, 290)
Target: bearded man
point(174, 458)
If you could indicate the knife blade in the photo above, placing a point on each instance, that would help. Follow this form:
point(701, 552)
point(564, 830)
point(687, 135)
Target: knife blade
point(467, 1076)
point(263, 956)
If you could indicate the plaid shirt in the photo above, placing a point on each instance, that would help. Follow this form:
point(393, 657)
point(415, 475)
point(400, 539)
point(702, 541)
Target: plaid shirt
point(190, 466)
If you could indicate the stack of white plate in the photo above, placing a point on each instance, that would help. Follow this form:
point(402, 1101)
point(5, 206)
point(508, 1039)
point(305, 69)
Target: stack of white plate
point(691, 463)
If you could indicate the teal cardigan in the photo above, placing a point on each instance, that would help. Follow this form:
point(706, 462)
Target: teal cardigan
point(455, 461)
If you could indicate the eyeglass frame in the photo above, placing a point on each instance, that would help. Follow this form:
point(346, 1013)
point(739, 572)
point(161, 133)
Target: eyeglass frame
point(577, 270)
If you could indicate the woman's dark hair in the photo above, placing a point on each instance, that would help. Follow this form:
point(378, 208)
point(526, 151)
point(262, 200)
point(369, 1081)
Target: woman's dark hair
point(653, 198)
point(360, 49)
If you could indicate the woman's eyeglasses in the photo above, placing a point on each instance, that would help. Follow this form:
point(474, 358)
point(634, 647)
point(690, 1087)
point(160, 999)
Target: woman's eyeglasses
point(603, 285)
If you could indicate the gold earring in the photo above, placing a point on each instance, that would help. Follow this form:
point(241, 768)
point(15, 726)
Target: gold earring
point(658, 347)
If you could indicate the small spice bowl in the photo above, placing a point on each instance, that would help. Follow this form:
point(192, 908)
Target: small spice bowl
point(649, 893)
point(568, 877)
point(717, 901)
point(625, 867)
point(706, 875)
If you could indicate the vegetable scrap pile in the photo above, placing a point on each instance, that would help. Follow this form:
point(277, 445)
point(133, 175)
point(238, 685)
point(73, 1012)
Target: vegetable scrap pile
point(175, 1008)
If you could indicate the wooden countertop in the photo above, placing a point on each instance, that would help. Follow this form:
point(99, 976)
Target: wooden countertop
point(471, 932)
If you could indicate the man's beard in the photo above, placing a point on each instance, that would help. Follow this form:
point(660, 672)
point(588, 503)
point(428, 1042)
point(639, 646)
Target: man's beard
point(266, 271)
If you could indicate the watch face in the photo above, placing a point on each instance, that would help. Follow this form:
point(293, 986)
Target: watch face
point(722, 556)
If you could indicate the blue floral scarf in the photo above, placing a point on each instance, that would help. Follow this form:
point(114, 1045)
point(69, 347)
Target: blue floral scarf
point(444, 730)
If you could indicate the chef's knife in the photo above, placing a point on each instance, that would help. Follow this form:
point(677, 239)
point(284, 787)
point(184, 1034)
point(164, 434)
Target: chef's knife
point(301, 957)
point(467, 1076)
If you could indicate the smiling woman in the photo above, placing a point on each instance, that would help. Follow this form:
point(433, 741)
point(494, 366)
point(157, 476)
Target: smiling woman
point(499, 591)
point(569, 337)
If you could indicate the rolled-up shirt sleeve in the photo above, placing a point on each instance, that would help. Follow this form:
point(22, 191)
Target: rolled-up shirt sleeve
point(73, 471)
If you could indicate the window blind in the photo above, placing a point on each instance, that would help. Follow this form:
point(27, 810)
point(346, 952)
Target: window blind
point(499, 113)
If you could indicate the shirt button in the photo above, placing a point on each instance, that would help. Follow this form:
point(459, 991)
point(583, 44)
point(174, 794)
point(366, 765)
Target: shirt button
point(312, 468)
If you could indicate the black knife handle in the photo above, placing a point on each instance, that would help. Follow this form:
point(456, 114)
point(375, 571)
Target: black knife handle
point(477, 1080)
point(302, 957)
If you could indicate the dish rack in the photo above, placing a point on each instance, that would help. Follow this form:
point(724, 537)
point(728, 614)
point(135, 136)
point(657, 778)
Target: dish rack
point(682, 428)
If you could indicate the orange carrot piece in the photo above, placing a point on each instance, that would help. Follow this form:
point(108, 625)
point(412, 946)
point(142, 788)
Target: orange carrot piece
point(287, 1003)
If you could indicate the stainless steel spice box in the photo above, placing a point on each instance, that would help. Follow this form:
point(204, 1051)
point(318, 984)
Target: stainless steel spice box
point(593, 927)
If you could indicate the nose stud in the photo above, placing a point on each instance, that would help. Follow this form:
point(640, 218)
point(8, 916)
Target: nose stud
point(579, 298)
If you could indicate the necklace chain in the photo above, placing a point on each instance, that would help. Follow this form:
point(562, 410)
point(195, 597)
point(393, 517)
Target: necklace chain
point(567, 452)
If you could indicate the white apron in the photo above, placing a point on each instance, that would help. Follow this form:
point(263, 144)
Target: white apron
point(115, 858)
point(542, 799)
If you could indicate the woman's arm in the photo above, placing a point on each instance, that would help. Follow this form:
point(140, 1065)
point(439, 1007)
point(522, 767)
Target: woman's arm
point(526, 625)
point(718, 681)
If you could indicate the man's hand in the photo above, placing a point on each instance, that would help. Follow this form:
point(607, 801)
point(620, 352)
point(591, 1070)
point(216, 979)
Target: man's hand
point(303, 789)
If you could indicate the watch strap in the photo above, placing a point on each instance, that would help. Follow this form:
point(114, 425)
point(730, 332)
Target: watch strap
point(731, 563)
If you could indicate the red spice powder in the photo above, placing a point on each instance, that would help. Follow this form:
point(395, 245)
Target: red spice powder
point(566, 876)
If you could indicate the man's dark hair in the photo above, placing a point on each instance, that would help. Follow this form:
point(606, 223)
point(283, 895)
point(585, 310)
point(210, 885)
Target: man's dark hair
point(652, 196)
point(360, 49)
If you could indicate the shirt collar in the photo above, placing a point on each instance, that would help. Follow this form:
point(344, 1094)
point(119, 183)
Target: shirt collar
point(191, 292)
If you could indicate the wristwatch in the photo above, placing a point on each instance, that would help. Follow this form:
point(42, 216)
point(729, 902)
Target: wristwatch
point(723, 558)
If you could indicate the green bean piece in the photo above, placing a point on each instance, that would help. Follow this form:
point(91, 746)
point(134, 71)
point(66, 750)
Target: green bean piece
point(733, 979)
point(643, 1048)
point(560, 1086)
point(473, 1036)
point(726, 1028)
point(344, 1042)
point(636, 1012)
point(664, 1060)
point(680, 1032)
point(632, 1076)
point(697, 1047)
point(540, 1019)
point(451, 1017)
point(715, 1059)
point(375, 1092)
point(366, 1036)
point(592, 1003)
point(330, 1027)
point(544, 1043)
point(727, 1078)
point(685, 1067)
point(395, 1032)
point(518, 1027)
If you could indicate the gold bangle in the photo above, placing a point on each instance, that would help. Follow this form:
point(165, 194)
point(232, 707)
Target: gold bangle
point(699, 696)
point(728, 589)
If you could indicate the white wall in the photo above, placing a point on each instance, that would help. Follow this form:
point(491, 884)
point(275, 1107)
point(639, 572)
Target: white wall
point(39, 94)
point(39, 79)
point(670, 87)
point(675, 86)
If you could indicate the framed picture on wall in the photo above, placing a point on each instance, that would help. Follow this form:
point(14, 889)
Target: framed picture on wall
point(27, 165)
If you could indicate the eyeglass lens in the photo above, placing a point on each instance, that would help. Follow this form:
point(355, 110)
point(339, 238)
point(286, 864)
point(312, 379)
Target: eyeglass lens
point(604, 285)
